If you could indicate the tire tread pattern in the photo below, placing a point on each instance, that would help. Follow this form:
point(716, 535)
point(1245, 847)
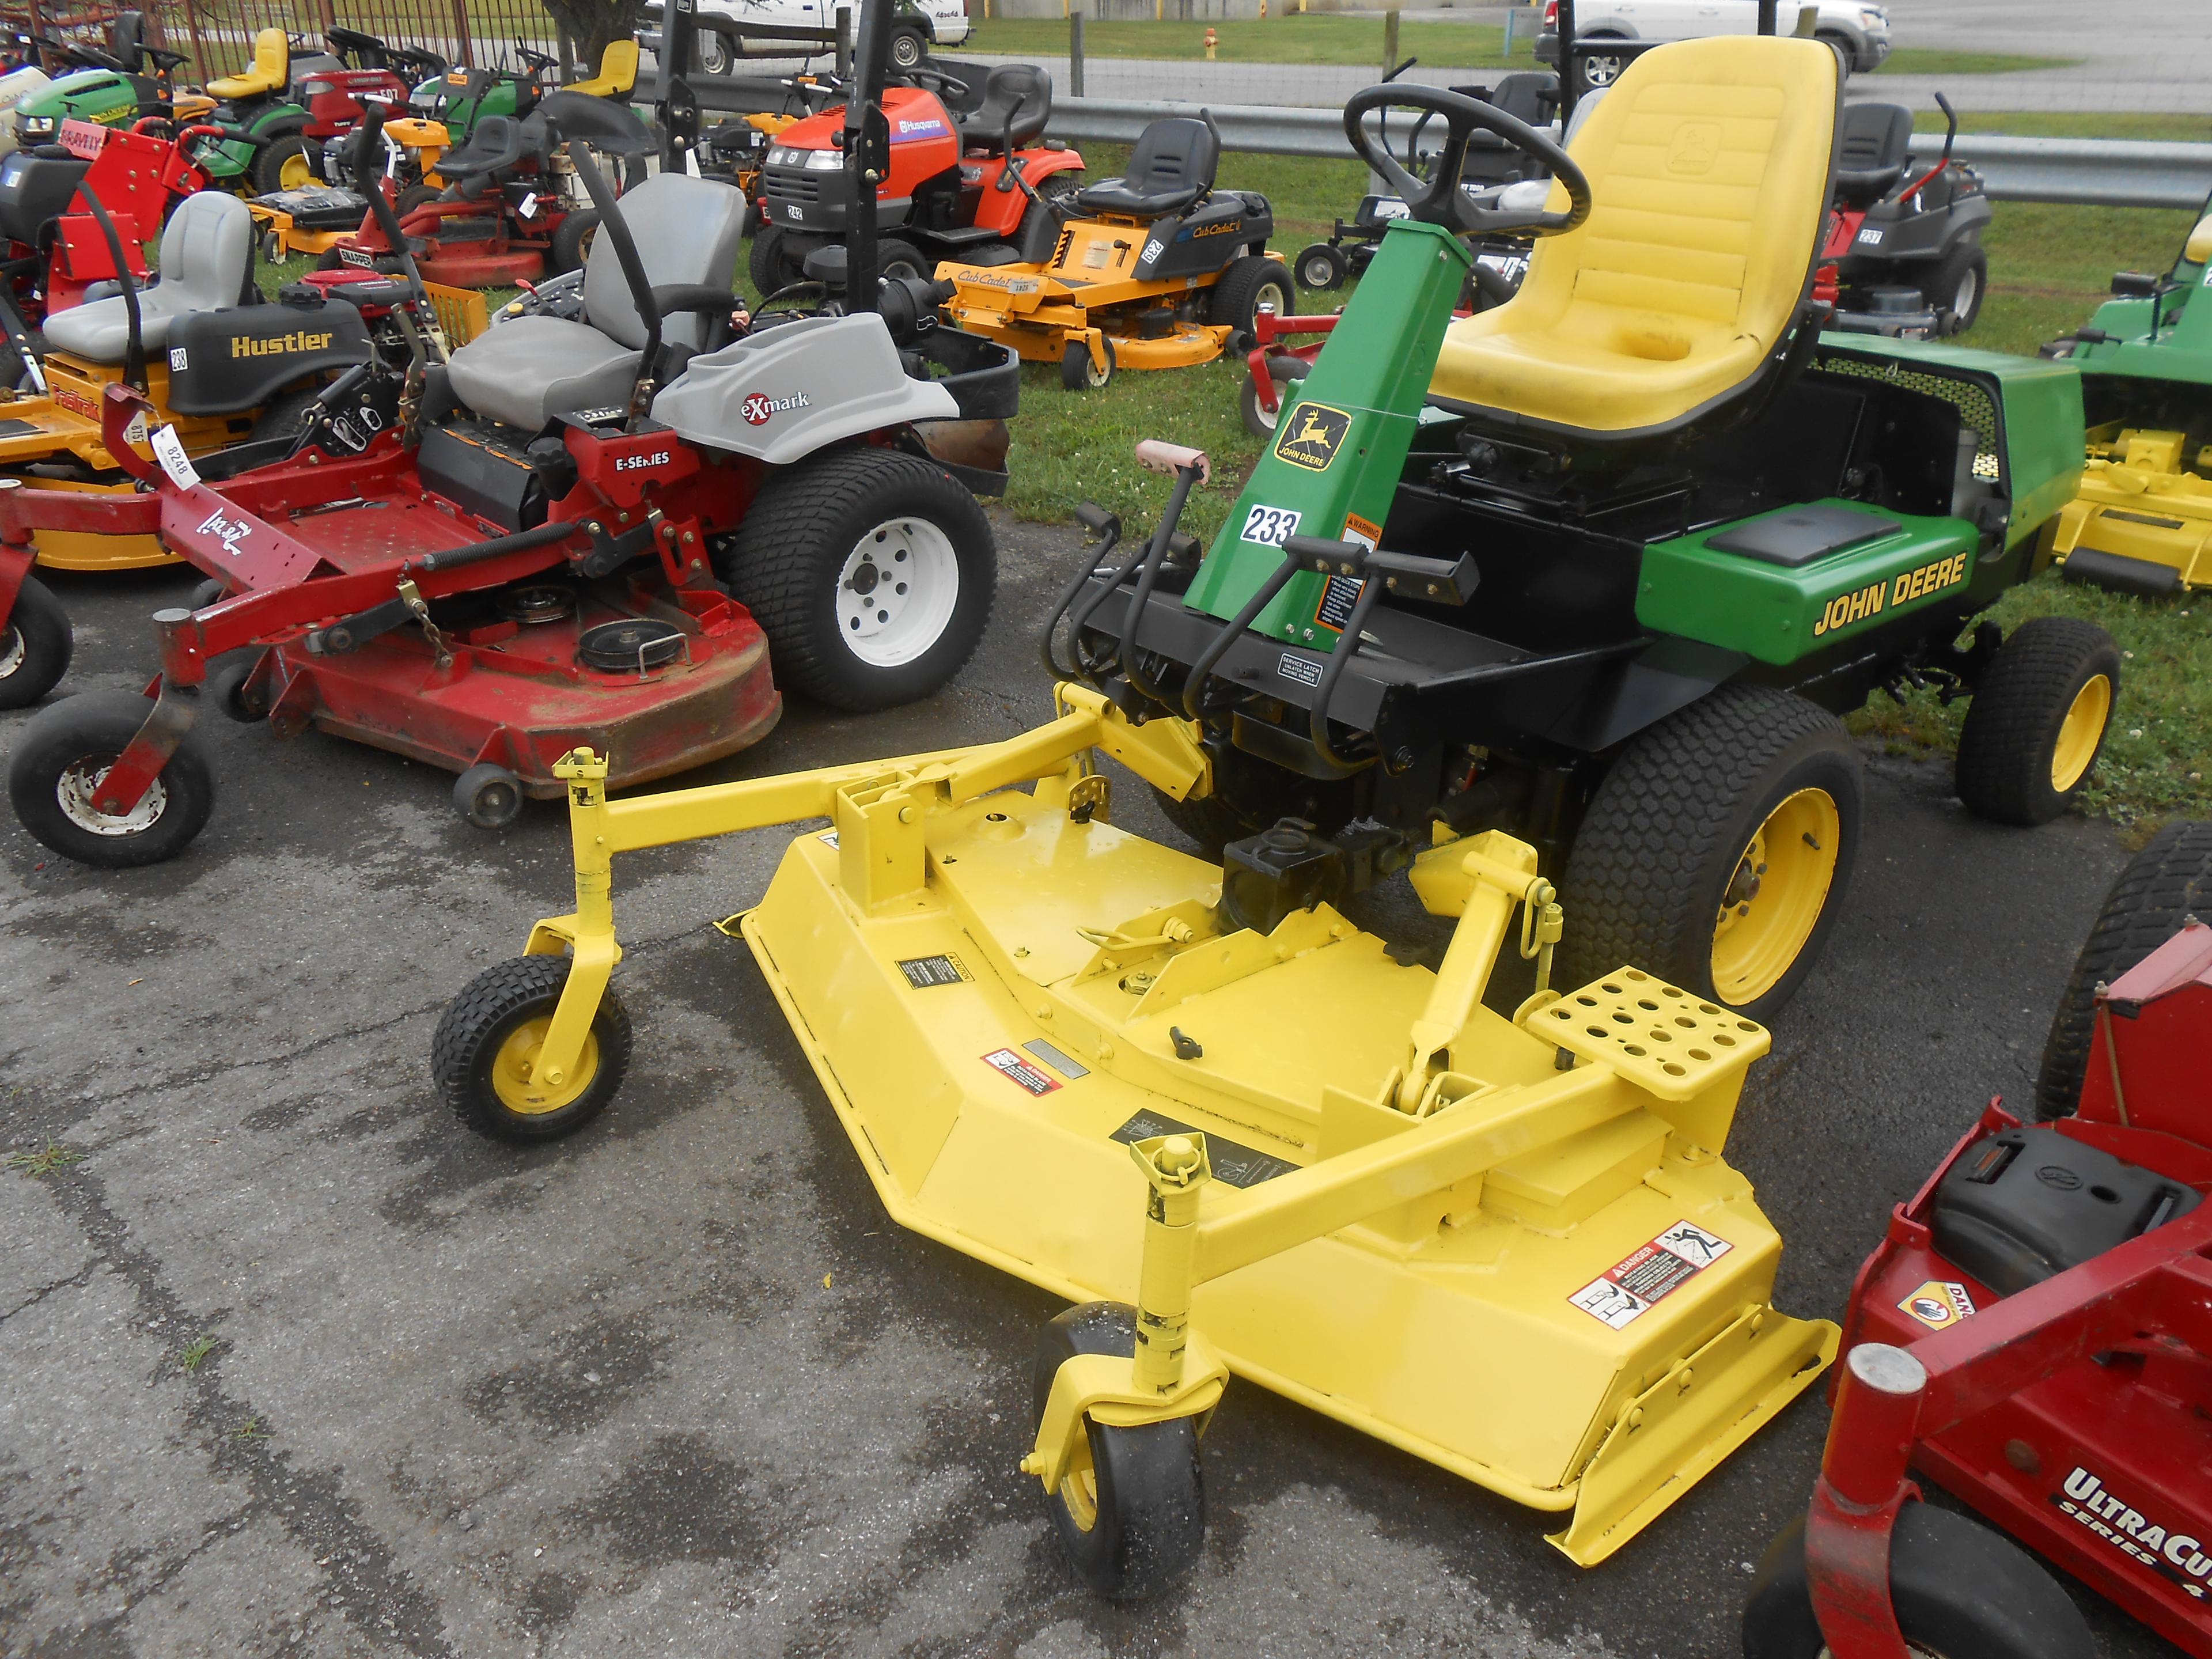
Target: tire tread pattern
point(489, 1000)
point(2003, 768)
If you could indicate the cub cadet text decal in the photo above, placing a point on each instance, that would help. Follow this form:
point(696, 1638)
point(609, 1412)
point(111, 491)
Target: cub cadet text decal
point(2174, 1555)
point(279, 345)
point(759, 406)
point(1860, 603)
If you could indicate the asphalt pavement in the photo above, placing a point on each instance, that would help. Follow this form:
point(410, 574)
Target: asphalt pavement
point(676, 1385)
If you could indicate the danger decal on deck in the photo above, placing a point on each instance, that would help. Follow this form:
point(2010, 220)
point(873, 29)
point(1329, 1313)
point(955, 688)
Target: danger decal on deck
point(1629, 1288)
point(1031, 1076)
point(922, 972)
point(1939, 1303)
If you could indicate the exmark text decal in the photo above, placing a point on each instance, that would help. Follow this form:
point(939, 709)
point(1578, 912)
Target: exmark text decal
point(757, 408)
point(1630, 1288)
point(2170, 1554)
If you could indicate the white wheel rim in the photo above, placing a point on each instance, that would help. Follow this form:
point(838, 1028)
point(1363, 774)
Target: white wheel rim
point(79, 786)
point(1285, 391)
point(11, 653)
point(897, 592)
point(1962, 302)
point(1600, 71)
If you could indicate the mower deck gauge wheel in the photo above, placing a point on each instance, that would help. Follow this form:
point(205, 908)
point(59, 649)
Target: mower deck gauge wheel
point(485, 1055)
point(1259, 421)
point(54, 777)
point(489, 796)
point(1078, 374)
point(34, 645)
point(1322, 267)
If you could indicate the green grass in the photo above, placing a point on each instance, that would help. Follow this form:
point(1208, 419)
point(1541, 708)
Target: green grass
point(1934, 60)
point(49, 1159)
point(195, 1351)
point(1309, 40)
point(2080, 124)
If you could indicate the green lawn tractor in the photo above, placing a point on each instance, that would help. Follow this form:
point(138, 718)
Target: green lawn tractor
point(462, 97)
point(2143, 522)
point(113, 85)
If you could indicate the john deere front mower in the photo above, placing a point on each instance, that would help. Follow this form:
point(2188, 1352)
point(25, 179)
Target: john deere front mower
point(2142, 522)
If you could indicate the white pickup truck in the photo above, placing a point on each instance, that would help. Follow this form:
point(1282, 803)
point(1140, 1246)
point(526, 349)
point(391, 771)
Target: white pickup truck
point(1859, 33)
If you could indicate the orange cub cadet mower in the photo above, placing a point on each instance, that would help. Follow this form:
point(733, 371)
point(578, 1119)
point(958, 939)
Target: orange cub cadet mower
point(1160, 270)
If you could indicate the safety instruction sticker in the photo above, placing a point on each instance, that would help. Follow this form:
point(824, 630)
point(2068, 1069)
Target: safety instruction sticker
point(1940, 1303)
point(923, 972)
point(1236, 1164)
point(1031, 1076)
point(1630, 1288)
point(169, 450)
point(1340, 594)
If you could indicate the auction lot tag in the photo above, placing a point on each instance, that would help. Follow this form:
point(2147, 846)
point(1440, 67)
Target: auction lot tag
point(1629, 1288)
point(169, 450)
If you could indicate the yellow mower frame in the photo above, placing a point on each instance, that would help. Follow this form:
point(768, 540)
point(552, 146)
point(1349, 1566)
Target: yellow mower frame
point(423, 139)
point(2145, 496)
point(1442, 1227)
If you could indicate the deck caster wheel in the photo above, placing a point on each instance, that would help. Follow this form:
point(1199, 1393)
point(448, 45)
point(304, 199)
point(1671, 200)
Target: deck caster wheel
point(227, 689)
point(206, 593)
point(490, 797)
point(1716, 850)
point(1133, 1517)
point(484, 1053)
point(54, 775)
point(1078, 374)
point(1959, 1590)
point(1286, 372)
point(1321, 268)
point(34, 645)
point(2038, 722)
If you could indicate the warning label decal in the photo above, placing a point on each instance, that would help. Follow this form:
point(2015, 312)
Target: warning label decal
point(922, 972)
point(1939, 1303)
point(1633, 1285)
point(1031, 1076)
point(1237, 1165)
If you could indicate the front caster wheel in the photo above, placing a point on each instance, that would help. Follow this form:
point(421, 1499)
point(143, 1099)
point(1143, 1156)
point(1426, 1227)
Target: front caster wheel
point(2038, 722)
point(34, 645)
point(1131, 1513)
point(488, 796)
point(54, 777)
point(1078, 374)
point(1322, 267)
point(485, 1055)
point(1960, 1592)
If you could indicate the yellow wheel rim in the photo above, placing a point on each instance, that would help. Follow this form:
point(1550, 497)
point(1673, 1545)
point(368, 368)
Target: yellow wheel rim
point(2080, 731)
point(1774, 896)
point(1079, 1491)
point(295, 173)
point(514, 1071)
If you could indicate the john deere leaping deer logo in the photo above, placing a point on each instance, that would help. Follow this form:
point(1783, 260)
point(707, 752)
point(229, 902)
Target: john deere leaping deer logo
point(1310, 437)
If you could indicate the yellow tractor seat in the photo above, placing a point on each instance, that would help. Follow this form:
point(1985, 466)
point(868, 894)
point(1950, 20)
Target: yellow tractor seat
point(617, 72)
point(1709, 164)
point(270, 72)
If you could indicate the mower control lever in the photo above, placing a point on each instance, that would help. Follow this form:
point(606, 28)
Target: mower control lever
point(1445, 581)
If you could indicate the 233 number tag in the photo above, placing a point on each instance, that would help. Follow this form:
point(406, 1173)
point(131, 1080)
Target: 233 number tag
point(1269, 526)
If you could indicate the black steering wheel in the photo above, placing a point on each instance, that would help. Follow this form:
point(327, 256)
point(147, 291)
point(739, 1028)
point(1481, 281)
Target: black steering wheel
point(1438, 199)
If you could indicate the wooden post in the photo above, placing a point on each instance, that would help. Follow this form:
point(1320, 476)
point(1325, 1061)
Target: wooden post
point(467, 53)
point(1389, 40)
point(1075, 54)
point(844, 43)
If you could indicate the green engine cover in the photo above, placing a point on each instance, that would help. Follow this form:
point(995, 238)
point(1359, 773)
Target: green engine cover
point(1778, 613)
point(1338, 448)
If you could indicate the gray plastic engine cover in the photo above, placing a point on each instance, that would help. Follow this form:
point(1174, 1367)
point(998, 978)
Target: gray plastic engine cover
point(793, 388)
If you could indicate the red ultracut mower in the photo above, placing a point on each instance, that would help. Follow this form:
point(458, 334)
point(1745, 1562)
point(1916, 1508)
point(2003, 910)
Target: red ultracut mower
point(2034, 1336)
point(573, 535)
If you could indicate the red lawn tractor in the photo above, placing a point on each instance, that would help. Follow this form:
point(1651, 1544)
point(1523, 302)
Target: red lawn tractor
point(2034, 1336)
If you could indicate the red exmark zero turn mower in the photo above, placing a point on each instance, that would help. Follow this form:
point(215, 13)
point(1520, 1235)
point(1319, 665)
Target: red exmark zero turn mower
point(2034, 1336)
point(532, 562)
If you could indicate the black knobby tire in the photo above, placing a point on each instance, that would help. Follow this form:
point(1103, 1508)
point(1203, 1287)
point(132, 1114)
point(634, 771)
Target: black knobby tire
point(895, 258)
point(572, 243)
point(1249, 796)
point(2009, 745)
point(268, 161)
point(1962, 1591)
point(1078, 374)
point(2163, 885)
point(1251, 281)
point(787, 565)
point(1039, 234)
point(64, 748)
point(770, 263)
point(1257, 421)
point(1322, 267)
point(484, 1015)
point(34, 645)
point(1664, 836)
point(1959, 284)
point(1149, 1521)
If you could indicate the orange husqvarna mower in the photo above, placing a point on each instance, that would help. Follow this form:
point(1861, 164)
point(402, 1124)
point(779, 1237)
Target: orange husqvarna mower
point(969, 185)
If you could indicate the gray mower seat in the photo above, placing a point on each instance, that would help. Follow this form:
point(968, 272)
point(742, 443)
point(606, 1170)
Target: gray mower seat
point(528, 371)
point(1171, 167)
point(204, 254)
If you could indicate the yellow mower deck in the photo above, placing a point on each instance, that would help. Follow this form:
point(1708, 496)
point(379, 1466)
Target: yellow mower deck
point(1510, 1247)
point(2144, 496)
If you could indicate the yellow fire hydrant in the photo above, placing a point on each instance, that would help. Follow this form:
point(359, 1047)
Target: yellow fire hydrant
point(1211, 42)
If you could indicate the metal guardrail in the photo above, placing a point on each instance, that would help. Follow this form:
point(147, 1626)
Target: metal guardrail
point(2098, 171)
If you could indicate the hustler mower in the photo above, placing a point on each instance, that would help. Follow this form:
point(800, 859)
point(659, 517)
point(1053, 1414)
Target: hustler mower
point(1156, 270)
point(575, 532)
point(2030, 1336)
point(2142, 521)
point(1697, 531)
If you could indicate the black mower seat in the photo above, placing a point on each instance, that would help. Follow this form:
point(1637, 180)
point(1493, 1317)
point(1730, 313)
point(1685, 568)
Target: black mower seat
point(1017, 103)
point(1171, 167)
point(1873, 146)
point(527, 372)
point(204, 254)
point(495, 142)
point(35, 189)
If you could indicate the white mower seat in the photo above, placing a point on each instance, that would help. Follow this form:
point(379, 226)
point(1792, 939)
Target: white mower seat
point(204, 254)
point(528, 371)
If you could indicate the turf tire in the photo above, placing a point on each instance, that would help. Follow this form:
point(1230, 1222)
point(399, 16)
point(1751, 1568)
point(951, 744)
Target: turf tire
point(95, 727)
point(572, 243)
point(1664, 834)
point(1962, 1591)
point(2002, 772)
point(268, 161)
point(770, 263)
point(480, 1018)
point(414, 197)
point(1251, 281)
point(2163, 885)
point(1964, 265)
point(895, 258)
point(286, 417)
point(1151, 1521)
point(34, 645)
point(786, 560)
